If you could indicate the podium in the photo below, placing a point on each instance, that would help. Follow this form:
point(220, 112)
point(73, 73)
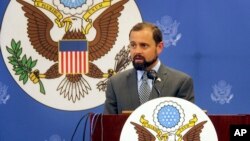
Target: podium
point(109, 127)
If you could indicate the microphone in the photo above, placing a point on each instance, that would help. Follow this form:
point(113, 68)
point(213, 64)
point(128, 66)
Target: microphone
point(153, 75)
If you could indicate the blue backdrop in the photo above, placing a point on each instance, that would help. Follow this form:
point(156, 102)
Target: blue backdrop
point(211, 44)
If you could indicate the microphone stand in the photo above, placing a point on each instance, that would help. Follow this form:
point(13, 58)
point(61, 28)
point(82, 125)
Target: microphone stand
point(153, 75)
point(158, 92)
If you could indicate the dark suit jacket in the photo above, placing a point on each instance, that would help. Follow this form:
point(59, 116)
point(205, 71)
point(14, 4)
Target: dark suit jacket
point(122, 89)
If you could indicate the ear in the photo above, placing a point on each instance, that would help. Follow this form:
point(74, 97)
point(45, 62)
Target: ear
point(160, 47)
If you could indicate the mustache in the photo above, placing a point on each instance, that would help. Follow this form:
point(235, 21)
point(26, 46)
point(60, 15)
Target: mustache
point(143, 65)
point(138, 56)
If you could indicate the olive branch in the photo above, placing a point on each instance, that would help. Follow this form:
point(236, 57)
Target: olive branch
point(21, 65)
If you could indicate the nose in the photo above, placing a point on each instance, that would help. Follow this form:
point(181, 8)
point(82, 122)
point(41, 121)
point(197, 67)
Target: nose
point(136, 50)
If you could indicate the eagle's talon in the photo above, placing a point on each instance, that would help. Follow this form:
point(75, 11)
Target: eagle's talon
point(110, 73)
point(35, 76)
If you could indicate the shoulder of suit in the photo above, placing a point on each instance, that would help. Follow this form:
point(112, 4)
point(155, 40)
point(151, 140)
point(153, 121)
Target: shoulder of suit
point(174, 72)
point(123, 74)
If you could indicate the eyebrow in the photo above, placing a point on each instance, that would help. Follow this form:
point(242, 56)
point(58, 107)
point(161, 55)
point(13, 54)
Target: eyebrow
point(140, 43)
point(143, 43)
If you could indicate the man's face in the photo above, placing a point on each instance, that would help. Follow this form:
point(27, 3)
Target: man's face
point(143, 49)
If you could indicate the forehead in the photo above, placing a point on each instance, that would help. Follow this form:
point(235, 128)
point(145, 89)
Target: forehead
point(141, 35)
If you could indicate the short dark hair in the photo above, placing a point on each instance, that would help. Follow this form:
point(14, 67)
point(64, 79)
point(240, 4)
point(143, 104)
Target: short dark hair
point(157, 34)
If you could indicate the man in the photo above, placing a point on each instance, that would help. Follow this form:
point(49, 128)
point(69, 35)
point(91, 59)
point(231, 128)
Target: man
point(128, 90)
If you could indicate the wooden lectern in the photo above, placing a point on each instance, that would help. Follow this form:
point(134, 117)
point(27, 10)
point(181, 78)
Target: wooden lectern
point(109, 127)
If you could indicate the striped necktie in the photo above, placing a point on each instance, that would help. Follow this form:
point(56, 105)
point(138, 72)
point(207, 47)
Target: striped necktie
point(144, 90)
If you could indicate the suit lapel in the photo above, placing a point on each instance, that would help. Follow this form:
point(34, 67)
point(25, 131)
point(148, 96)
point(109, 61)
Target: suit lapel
point(162, 75)
point(132, 89)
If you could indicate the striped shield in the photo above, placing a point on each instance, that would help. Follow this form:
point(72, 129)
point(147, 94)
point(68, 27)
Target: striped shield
point(73, 57)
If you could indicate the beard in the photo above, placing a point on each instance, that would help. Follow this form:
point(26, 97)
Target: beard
point(145, 64)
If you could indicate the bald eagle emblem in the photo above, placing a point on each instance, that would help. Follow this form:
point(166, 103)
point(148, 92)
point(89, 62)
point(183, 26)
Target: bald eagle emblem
point(67, 50)
point(169, 29)
point(169, 119)
point(4, 96)
point(222, 92)
point(73, 86)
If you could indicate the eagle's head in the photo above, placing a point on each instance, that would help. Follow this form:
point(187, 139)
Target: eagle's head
point(73, 24)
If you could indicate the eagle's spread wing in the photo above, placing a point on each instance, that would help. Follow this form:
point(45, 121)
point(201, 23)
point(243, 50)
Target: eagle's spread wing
point(194, 133)
point(39, 26)
point(106, 26)
point(143, 133)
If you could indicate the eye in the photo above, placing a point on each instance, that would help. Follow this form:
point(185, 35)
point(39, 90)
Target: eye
point(144, 46)
point(132, 45)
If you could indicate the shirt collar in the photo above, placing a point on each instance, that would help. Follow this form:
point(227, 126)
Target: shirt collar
point(156, 68)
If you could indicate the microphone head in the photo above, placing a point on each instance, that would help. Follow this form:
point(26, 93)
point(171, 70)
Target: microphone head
point(152, 75)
